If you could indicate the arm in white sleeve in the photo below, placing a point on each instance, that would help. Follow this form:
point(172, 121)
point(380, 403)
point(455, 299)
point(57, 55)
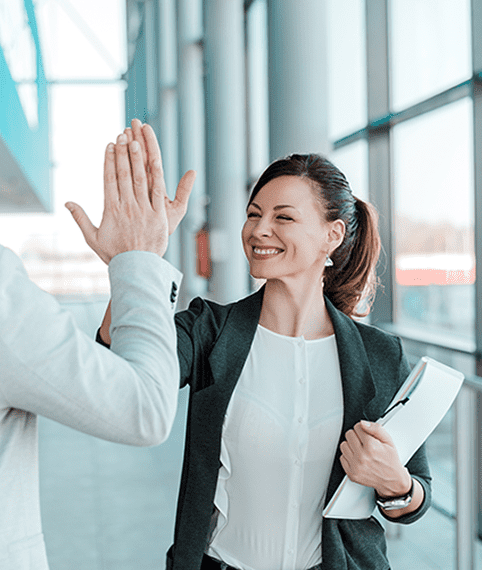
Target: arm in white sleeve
point(48, 366)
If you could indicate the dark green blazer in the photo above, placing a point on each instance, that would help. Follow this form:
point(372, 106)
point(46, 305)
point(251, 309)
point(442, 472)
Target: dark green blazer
point(213, 345)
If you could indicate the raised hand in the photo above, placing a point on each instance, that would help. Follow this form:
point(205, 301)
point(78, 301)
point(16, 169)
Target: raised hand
point(138, 215)
point(175, 209)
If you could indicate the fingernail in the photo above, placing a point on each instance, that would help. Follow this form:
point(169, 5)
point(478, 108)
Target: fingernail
point(366, 424)
point(134, 146)
point(121, 139)
point(110, 147)
point(69, 206)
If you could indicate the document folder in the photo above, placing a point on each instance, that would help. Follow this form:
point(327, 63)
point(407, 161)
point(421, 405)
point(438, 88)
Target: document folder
point(415, 411)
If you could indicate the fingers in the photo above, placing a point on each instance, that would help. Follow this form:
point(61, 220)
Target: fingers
point(138, 173)
point(111, 193)
point(157, 186)
point(82, 220)
point(152, 146)
point(123, 169)
point(139, 137)
point(372, 429)
point(128, 133)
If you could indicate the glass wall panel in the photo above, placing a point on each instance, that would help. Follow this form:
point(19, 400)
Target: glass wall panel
point(257, 77)
point(430, 48)
point(346, 66)
point(92, 35)
point(352, 160)
point(434, 231)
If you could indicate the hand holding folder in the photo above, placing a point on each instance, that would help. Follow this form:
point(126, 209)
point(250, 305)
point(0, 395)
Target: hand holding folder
point(415, 411)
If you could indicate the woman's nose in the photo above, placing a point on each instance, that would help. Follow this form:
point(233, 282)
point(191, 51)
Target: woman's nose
point(263, 227)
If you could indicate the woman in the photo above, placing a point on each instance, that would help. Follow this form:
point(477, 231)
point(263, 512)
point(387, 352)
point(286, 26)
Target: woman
point(281, 385)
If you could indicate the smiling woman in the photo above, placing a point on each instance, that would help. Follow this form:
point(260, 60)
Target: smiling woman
point(308, 201)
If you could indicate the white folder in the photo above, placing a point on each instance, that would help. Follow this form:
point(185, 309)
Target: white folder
point(415, 411)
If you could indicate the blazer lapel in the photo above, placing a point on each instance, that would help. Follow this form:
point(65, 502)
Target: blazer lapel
point(358, 384)
point(233, 344)
point(359, 388)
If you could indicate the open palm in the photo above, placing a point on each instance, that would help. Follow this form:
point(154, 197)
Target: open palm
point(175, 209)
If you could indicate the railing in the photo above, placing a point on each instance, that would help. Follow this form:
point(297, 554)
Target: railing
point(466, 437)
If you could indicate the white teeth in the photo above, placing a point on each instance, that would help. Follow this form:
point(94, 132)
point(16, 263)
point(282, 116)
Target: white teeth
point(266, 251)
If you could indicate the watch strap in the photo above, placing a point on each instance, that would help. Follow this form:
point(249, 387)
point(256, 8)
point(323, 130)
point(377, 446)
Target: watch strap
point(395, 503)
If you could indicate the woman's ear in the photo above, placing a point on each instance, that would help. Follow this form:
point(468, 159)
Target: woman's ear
point(336, 234)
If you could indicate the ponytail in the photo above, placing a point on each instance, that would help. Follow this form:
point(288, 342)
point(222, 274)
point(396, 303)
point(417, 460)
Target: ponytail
point(351, 282)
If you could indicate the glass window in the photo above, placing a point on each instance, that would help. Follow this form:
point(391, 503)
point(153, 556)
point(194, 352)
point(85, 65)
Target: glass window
point(352, 160)
point(258, 111)
point(430, 48)
point(92, 35)
point(346, 67)
point(434, 220)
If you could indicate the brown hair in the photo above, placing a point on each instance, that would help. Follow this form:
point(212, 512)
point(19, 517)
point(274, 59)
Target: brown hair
point(351, 281)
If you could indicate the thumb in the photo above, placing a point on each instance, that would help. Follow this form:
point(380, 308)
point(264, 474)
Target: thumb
point(184, 187)
point(377, 431)
point(82, 220)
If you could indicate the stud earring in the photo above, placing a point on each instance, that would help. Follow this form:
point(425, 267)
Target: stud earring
point(329, 261)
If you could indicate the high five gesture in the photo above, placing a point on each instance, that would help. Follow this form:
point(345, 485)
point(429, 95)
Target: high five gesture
point(138, 214)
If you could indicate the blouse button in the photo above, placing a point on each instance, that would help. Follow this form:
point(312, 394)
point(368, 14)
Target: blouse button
point(300, 420)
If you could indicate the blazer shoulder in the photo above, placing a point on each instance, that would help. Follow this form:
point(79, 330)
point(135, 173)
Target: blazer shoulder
point(385, 353)
point(378, 339)
point(203, 316)
point(199, 328)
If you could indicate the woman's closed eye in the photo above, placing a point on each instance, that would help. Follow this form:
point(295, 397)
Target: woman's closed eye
point(280, 217)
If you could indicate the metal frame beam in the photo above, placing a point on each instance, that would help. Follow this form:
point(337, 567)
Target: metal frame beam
point(379, 156)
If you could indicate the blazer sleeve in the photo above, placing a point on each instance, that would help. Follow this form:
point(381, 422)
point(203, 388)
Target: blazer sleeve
point(50, 367)
point(196, 328)
point(418, 464)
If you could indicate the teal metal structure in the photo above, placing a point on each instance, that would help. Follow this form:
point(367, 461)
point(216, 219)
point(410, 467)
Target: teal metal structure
point(24, 151)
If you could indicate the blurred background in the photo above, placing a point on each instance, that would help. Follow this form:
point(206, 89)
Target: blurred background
point(390, 90)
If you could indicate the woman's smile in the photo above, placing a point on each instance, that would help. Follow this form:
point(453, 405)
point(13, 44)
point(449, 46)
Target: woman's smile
point(264, 253)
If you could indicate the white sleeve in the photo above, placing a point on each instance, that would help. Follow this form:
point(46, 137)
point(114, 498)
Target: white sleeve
point(48, 366)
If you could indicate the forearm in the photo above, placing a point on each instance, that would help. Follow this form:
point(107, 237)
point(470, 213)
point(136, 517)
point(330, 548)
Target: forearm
point(51, 368)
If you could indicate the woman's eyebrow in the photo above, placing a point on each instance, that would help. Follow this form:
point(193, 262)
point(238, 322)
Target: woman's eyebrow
point(283, 206)
point(275, 208)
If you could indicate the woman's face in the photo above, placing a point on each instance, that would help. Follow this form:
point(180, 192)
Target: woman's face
point(285, 234)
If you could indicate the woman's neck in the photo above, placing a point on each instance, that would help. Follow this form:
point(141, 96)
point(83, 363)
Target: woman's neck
point(294, 309)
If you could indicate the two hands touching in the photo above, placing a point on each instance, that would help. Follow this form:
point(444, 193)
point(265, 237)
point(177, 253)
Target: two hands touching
point(138, 214)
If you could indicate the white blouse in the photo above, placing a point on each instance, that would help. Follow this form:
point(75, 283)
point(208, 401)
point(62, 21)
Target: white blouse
point(279, 439)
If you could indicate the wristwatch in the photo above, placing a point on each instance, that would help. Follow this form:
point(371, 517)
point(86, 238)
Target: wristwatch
point(395, 503)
